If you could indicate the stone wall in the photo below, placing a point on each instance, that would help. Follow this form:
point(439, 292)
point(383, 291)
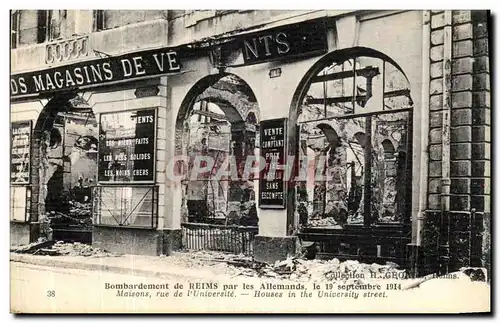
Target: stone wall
point(458, 207)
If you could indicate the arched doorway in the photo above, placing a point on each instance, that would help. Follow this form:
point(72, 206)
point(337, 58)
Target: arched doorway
point(64, 168)
point(354, 110)
point(216, 128)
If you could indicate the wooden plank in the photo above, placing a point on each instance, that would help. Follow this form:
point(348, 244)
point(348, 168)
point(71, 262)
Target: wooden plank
point(364, 72)
point(333, 100)
point(211, 114)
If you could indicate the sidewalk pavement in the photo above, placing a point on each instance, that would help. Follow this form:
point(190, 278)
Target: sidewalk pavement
point(147, 266)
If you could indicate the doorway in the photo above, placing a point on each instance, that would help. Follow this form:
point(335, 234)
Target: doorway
point(65, 170)
point(218, 127)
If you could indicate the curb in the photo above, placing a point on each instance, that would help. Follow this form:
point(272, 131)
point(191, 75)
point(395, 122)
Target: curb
point(52, 261)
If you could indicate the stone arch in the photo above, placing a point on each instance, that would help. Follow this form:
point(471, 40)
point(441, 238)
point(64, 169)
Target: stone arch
point(251, 117)
point(234, 97)
point(234, 106)
point(354, 131)
point(303, 87)
point(333, 57)
point(226, 100)
point(330, 133)
point(360, 137)
point(388, 146)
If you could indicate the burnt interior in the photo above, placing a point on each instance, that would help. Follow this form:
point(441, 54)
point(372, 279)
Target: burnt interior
point(68, 169)
point(222, 124)
point(355, 130)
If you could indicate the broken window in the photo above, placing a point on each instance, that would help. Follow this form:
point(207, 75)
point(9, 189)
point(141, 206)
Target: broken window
point(51, 25)
point(355, 133)
point(131, 206)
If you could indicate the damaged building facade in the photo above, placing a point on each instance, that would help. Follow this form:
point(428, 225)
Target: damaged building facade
point(393, 106)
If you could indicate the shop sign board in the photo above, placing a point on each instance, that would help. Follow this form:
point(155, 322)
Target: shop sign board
point(272, 186)
point(95, 72)
point(127, 146)
point(301, 39)
point(20, 155)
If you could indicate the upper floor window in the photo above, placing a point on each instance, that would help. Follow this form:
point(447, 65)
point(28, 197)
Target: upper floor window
point(98, 20)
point(109, 19)
point(43, 25)
point(14, 28)
point(51, 24)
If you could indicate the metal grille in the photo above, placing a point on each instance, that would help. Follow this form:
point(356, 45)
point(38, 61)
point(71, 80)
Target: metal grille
point(233, 239)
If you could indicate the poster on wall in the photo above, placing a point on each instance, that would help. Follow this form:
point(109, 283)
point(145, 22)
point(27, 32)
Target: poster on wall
point(127, 147)
point(272, 188)
point(20, 152)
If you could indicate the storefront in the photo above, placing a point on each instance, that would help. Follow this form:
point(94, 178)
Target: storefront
point(93, 164)
point(346, 94)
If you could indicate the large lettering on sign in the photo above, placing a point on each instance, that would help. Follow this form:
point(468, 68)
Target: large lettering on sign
point(20, 152)
point(272, 186)
point(307, 38)
point(127, 147)
point(147, 63)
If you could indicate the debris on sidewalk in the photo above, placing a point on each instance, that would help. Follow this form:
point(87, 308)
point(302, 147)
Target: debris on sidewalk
point(32, 247)
point(60, 248)
point(78, 249)
point(295, 269)
point(321, 270)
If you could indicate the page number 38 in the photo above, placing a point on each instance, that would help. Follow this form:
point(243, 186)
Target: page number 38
point(51, 293)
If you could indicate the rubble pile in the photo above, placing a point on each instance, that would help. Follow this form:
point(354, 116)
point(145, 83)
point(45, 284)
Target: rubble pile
point(77, 249)
point(294, 269)
point(32, 247)
point(210, 258)
point(320, 270)
point(81, 211)
point(324, 222)
point(60, 248)
point(79, 214)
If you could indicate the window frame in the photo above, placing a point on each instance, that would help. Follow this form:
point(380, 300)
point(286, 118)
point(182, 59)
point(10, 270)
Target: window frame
point(368, 190)
point(97, 205)
point(27, 206)
point(15, 18)
point(44, 18)
point(98, 20)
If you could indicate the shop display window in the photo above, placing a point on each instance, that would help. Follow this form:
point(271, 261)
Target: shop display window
point(126, 206)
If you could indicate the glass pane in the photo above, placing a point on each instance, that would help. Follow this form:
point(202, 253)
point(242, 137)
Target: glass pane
point(394, 79)
point(110, 206)
point(127, 206)
point(18, 203)
point(397, 94)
